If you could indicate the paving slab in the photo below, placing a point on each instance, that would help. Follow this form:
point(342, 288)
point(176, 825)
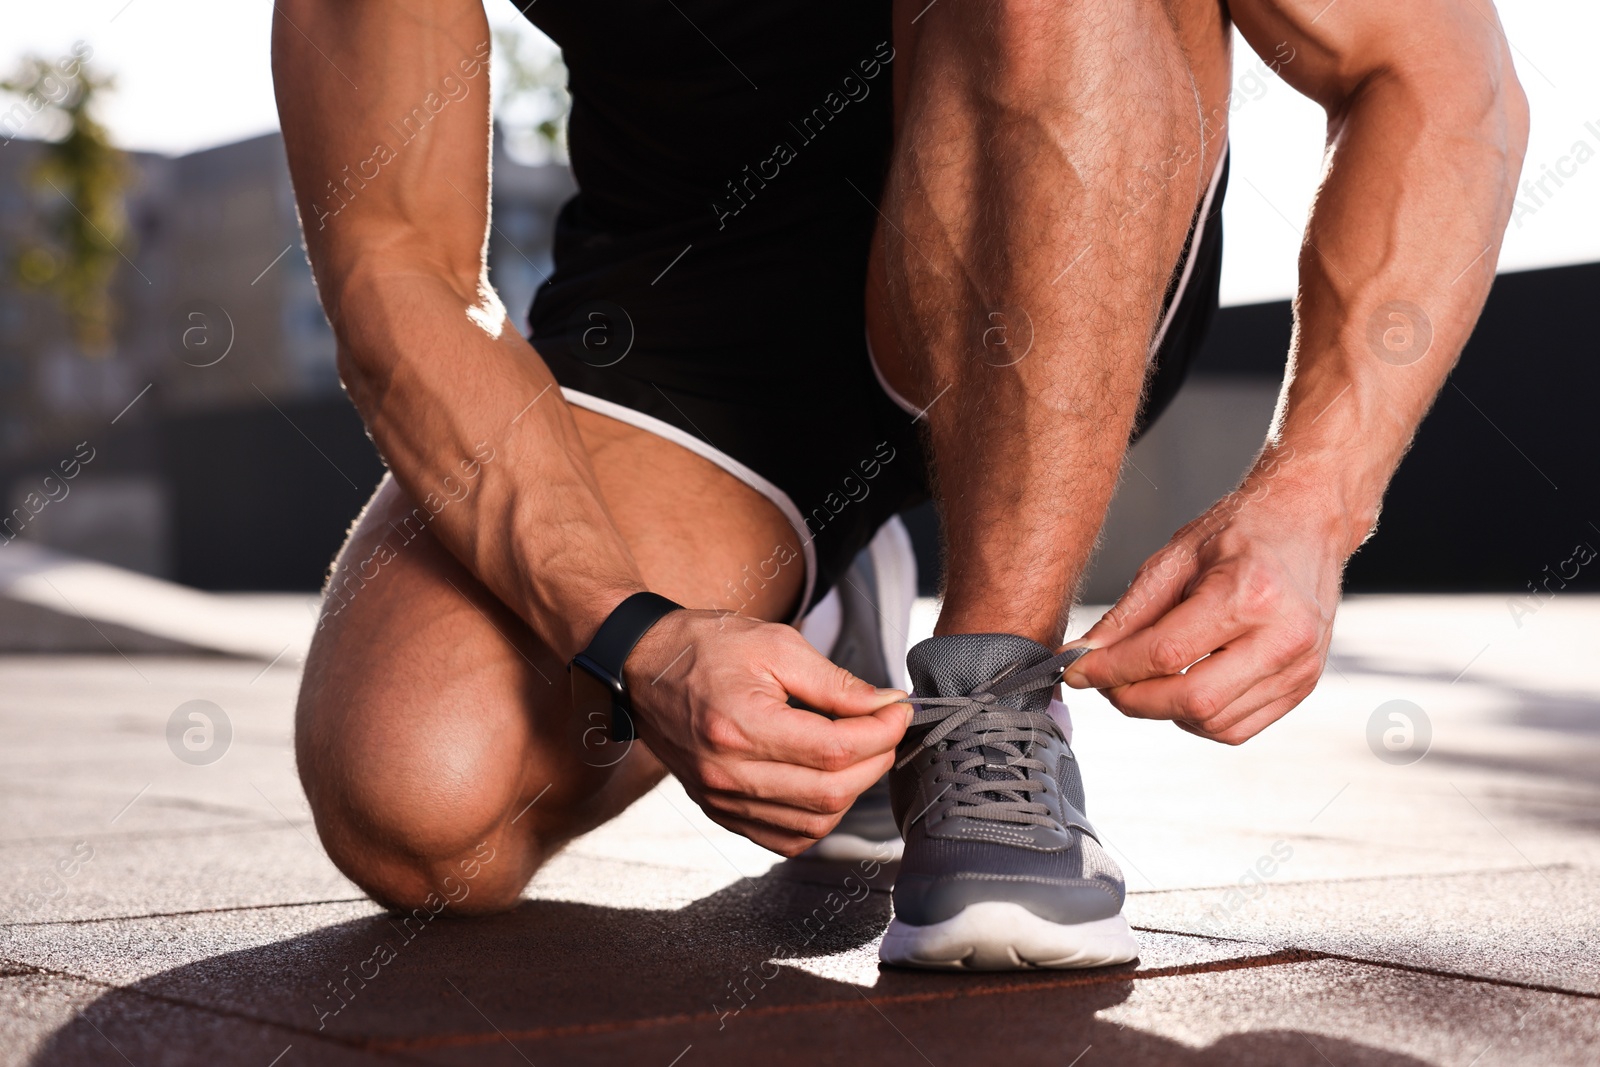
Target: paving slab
point(1247, 1014)
point(1309, 1014)
point(661, 935)
point(49, 1020)
point(105, 818)
point(1538, 927)
point(85, 741)
point(248, 867)
point(50, 810)
point(1356, 1014)
point(1514, 754)
point(352, 972)
point(667, 829)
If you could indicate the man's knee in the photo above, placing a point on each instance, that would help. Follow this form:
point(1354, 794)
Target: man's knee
point(410, 857)
point(484, 880)
point(404, 868)
point(418, 821)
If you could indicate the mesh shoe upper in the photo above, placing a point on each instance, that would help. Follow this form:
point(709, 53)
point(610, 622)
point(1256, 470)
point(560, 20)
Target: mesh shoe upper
point(987, 792)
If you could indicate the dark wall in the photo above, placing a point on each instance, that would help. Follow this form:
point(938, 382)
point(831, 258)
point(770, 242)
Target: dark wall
point(261, 497)
point(1503, 479)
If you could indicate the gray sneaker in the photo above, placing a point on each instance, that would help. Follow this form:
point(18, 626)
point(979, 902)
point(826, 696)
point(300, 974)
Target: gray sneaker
point(1001, 868)
point(875, 598)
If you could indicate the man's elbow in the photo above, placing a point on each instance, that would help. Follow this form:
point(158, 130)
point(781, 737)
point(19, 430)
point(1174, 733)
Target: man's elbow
point(1468, 90)
point(1513, 111)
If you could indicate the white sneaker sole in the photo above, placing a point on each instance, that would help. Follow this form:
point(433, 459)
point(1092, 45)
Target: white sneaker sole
point(852, 847)
point(1000, 936)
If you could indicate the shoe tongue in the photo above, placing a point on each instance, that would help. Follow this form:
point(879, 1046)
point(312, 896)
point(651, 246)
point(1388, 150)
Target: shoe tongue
point(959, 663)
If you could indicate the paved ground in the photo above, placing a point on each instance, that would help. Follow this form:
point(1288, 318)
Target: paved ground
point(1301, 900)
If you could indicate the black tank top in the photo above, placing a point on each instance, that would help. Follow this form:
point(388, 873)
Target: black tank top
point(728, 155)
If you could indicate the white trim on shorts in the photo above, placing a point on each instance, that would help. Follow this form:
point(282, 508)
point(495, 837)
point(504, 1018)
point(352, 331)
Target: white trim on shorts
point(1166, 320)
point(669, 432)
point(1194, 252)
point(888, 390)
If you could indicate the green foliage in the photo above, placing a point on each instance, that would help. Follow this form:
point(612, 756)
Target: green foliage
point(73, 252)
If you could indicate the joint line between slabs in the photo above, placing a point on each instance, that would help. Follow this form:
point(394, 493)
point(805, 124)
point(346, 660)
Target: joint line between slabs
point(890, 1021)
point(191, 1005)
point(491, 1022)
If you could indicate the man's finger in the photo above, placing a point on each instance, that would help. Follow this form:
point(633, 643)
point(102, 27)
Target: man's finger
point(783, 734)
point(819, 792)
point(1195, 628)
point(1252, 722)
point(1287, 687)
point(1208, 689)
point(825, 686)
point(803, 789)
point(773, 839)
point(774, 816)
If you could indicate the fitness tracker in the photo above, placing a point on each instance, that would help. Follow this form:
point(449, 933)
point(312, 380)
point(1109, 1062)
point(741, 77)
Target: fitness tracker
point(598, 691)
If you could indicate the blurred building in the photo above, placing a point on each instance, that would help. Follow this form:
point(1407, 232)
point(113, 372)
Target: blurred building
point(222, 367)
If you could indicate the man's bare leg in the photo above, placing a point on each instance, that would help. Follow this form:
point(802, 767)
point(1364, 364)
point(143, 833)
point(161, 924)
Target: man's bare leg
point(1092, 133)
point(434, 735)
point(1049, 162)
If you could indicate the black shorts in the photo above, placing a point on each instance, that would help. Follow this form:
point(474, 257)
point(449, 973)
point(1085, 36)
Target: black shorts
point(848, 458)
point(710, 271)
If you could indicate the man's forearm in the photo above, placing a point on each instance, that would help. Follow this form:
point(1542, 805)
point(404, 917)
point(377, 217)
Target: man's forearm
point(476, 431)
point(463, 410)
point(1398, 259)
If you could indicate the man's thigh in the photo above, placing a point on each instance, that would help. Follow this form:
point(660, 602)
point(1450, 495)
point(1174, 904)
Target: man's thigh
point(434, 728)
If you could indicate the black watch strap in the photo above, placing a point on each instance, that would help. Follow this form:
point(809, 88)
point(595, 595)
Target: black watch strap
point(611, 645)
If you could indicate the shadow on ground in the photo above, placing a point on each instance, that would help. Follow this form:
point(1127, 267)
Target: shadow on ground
point(564, 982)
point(1573, 716)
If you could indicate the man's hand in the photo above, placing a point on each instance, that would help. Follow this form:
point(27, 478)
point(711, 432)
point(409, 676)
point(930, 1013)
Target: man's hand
point(1425, 122)
point(1243, 597)
point(711, 694)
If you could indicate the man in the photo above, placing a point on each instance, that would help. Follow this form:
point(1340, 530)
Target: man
point(1034, 222)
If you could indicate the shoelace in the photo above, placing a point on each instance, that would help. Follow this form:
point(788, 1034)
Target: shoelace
point(966, 725)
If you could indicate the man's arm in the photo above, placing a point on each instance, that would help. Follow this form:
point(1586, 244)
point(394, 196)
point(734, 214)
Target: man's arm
point(385, 111)
point(1426, 131)
point(385, 118)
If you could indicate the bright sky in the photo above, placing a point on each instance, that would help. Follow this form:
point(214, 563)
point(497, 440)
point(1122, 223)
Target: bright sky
point(194, 73)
